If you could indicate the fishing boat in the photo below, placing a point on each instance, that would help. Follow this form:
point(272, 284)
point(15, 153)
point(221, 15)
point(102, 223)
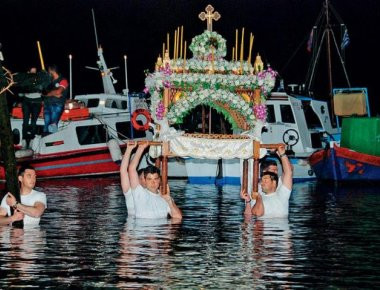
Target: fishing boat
point(92, 132)
point(357, 156)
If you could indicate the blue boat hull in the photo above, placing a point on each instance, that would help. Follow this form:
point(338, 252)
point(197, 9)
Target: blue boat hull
point(342, 164)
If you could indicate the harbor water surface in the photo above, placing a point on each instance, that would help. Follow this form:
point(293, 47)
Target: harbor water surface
point(86, 240)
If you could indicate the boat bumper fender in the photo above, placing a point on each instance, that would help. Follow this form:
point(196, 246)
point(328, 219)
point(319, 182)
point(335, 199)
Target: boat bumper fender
point(114, 148)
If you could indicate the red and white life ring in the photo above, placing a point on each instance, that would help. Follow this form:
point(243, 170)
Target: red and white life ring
point(136, 125)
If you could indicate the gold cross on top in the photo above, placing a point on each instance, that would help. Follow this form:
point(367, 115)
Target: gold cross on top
point(209, 16)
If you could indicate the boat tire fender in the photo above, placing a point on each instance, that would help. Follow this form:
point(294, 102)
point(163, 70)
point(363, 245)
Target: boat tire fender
point(115, 151)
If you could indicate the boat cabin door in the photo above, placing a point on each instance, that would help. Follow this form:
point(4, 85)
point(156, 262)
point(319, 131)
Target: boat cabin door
point(322, 111)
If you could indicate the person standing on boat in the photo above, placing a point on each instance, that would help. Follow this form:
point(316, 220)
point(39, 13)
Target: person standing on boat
point(149, 203)
point(33, 203)
point(31, 107)
point(54, 100)
point(274, 202)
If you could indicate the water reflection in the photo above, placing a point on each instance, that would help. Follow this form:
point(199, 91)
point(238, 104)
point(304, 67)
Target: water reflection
point(330, 240)
point(21, 252)
point(267, 245)
point(145, 249)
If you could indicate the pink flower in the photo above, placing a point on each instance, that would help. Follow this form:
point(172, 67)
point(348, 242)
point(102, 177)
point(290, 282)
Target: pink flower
point(260, 112)
point(167, 84)
point(160, 111)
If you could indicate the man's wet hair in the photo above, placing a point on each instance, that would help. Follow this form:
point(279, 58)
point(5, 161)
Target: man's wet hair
point(272, 175)
point(151, 170)
point(23, 168)
point(53, 67)
point(266, 164)
point(140, 171)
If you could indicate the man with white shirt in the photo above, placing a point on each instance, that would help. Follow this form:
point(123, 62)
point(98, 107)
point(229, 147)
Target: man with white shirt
point(33, 202)
point(149, 202)
point(274, 201)
point(124, 177)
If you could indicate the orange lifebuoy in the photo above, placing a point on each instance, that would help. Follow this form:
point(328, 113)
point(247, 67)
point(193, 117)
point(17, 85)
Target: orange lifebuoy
point(136, 125)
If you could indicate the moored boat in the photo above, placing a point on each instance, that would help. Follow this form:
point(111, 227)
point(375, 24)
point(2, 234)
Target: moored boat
point(357, 156)
point(343, 164)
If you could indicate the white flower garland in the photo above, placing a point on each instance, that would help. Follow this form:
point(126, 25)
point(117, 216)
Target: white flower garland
point(224, 85)
point(201, 45)
point(190, 100)
point(221, 66)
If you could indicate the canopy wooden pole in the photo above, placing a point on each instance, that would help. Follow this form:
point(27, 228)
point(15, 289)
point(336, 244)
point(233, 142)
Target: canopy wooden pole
point(164, 172)
point(245, 175)
point(7, 148)
point(157, 162)
point(256, 157)
point(156, 143)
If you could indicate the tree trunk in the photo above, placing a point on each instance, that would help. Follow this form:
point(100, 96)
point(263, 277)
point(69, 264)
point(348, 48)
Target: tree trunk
point(7, 149)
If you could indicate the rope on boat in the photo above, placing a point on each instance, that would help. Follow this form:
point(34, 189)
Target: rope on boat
point(9, 77)
point(109, 129)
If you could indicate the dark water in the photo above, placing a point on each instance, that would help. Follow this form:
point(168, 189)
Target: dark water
point(332, 239)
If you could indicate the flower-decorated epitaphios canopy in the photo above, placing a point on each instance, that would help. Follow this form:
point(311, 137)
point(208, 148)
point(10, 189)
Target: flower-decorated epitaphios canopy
point(235, 88)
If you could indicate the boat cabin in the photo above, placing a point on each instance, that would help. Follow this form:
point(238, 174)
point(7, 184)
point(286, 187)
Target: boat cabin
point(300, 122)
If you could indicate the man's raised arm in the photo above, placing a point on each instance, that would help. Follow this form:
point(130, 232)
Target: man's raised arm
point(132, 169)
point(124, 176)
point(287, 170)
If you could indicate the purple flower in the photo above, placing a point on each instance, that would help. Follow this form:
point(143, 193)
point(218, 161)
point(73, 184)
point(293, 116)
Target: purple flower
point(167, 84)
point(260, 112)
point(146, 90)
point(160, 111)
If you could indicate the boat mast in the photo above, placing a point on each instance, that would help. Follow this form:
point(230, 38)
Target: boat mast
point(328, 49)
point(106, 74)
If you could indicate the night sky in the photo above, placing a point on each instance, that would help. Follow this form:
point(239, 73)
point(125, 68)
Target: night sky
point(138, 28)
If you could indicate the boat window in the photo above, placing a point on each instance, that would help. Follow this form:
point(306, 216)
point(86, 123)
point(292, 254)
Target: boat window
point(124, 130)
point(271, 117)
point(311, 117)
point(92, 103)
point(287, 114)
point(124, 105)
point(16, 136)
point(114, 104)
point(94, 134)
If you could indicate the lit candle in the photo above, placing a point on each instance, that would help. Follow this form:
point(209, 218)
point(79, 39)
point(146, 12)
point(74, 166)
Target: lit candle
point(236, 44)
point(41, 57)
point(167, 43)
point(242, 45)
point(233, 53)
point(163, 50)
point(181, 41)
point(250, 47)
point(175, 44)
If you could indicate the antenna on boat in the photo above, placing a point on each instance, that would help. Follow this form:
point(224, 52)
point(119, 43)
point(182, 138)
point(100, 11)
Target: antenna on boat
point(106, 74)
point(96, 34)
point(126, 91)
point(71, 76)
